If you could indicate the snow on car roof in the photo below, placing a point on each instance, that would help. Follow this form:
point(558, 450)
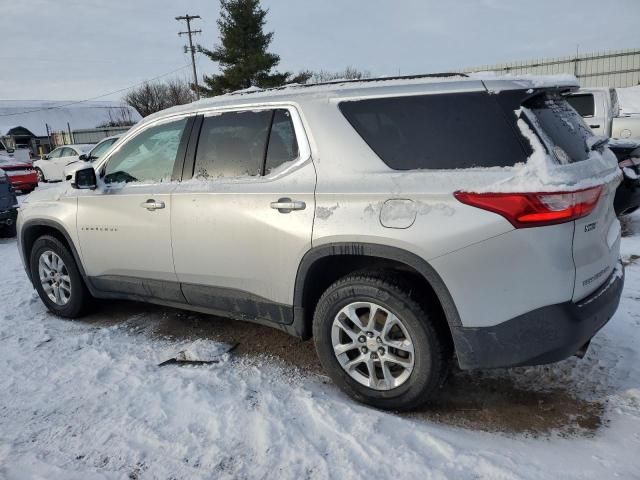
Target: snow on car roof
point(365, 87)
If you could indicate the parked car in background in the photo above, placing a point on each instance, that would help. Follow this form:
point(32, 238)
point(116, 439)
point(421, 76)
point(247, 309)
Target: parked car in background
point(22, 153)
point(94, 154)
point(8, 207)
point(51, 166)
point(352, 213)
point(21, 173)
point(601, 110)
point(99, 149)
point(628, 193)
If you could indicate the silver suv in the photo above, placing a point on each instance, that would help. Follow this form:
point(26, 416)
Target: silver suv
point(398, 222)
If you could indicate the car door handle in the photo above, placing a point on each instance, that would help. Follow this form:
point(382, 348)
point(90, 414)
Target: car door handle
point(152, 205)
point(595, 126)
point(286, 205)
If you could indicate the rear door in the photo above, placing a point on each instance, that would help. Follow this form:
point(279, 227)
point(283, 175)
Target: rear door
point(241, 227)
point(596, 240)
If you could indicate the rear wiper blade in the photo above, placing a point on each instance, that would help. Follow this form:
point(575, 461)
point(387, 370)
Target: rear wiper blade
point(596, 142)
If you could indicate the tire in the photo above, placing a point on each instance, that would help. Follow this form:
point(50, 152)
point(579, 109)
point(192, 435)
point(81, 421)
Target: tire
point(429, 355)
point(41, 178)
point(79, 297)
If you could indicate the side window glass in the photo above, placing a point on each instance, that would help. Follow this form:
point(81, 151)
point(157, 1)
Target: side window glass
point(101, 148)
point(583, 104)
point(56, 153)
point(149, 156)
point(283, 145)
point(232, 144)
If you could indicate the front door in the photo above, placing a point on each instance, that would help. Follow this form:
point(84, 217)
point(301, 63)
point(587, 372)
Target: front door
point(241, 227)
point(124, 226)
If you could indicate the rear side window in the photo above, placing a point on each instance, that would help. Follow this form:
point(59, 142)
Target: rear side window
point(583, 104)
point(447, 131)
point(283, 145)
point(562, 125)
point(232, 144)
point(237, 144)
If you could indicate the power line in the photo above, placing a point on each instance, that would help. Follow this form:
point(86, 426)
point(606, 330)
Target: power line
point(97, 96)
point(191, 48)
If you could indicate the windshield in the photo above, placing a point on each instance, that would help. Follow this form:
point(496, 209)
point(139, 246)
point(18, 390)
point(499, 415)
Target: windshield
point(562, 125)
point(99, 149)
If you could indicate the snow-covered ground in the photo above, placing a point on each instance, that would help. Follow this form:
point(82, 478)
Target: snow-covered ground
point(87, 399)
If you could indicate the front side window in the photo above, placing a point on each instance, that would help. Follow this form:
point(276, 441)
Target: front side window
point(232, 144)
point(583, 104)
point(57, 153)
point(147, 157)
point(101, 148)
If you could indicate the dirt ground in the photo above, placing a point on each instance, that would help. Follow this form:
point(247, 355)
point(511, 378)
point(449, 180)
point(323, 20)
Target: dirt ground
point(479, 400)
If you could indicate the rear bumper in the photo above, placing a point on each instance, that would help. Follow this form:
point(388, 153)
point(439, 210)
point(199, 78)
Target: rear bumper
point(28, 181)
point(545, 335)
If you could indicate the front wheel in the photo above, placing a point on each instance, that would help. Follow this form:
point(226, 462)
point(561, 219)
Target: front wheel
point(57, 279)
point(41, 178)
point(377, 343)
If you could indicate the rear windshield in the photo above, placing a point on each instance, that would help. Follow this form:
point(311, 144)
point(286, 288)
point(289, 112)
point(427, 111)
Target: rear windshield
point(562, 125)
point(443, 131)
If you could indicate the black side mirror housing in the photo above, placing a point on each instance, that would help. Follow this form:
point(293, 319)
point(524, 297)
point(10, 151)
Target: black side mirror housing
point(84, 179)
point(83, 157)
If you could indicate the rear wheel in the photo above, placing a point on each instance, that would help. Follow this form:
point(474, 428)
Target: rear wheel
point(57, 278)
point(377, 343)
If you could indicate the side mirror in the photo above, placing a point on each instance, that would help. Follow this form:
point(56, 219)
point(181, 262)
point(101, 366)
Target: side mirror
point(83, 157)
point(82, 175)
point(46, 157)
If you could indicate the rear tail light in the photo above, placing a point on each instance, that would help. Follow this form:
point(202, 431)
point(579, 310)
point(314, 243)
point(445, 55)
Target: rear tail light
point(535, 209)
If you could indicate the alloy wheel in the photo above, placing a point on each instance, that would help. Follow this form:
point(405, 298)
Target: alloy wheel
point(54, 278)
point(372, 345)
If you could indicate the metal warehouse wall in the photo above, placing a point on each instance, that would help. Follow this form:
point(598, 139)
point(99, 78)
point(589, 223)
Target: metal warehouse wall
point(615, 68)
point(94, 135)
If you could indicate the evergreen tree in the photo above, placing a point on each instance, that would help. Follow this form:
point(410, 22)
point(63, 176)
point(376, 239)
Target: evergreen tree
point(242, 55)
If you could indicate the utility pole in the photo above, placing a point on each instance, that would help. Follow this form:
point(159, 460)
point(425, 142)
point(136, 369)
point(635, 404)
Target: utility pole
point(191, 48)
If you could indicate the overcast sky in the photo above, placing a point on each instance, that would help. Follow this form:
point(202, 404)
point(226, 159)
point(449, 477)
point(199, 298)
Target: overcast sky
point(76, 49)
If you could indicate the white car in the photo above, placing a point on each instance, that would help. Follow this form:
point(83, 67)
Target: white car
point(51, 166)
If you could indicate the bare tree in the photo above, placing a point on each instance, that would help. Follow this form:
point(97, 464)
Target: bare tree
point(152, 97)
point(349, 73)
point(120, 117)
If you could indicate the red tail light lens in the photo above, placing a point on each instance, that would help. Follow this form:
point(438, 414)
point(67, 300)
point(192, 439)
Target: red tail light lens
point(535, 209)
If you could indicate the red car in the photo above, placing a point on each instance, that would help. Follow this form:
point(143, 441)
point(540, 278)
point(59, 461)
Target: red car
point(22, 175)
